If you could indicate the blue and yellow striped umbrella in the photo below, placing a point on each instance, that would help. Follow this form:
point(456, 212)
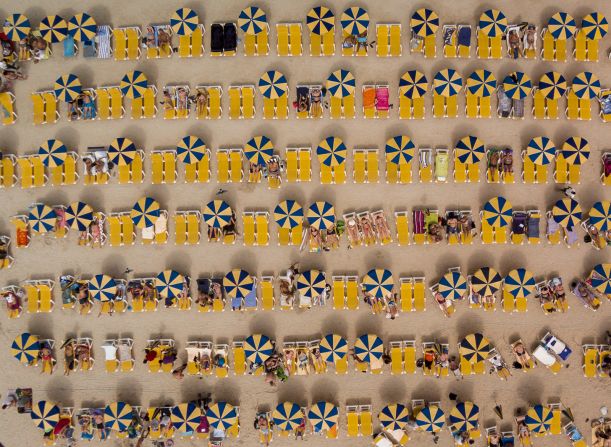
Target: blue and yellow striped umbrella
point(17, 27)
point(601, 278)
point(217, 213)
point(273, 84)
point(576, 150)
point(82, 27)
point(133, 84)
point(447, 82)
point(320, 20)
point(42, 218)
point(600, 215)
point(470, 150)
point(474, 348)
point(331, 151)
point(424, 22)
point(258, 348)
point(252, 20)
point(481, 83)
point(400, 150)
point(341, 83)
point(79, 216)
point(321, 215)
point(393, 417)
point(191, 149)
point(53, 29)
point(45, 415)
point(311, 283)
point(122, 151)
point(238, 283)
point(355, 20)
point(497, 212)
point(287, 416)
point(145, 212)
point(67, 88)
point(103, 288)
point(595, 26)
point(118, 416)
point(541, 151)
point(259, 150)
point(53, 153)
point(520, 283)
point(378, 283)
point(323, 416)
point(586, 85)
point(222, 415)
point(25, 347)
point(553, 85)
point(288, 214)
point(431, 418)
point(567, 213)
point(464, 417)
point(169, 283)
point(562, 25)
point(368, 347)
point(493, 23)
point(539, 419)
point(453, 286)
point(184, 21)
point(186, 417)
point(413, 84)
point(333, 347)
point(486, 281)
point(517, 85)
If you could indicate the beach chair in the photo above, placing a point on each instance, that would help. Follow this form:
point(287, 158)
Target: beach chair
point(396, 358)
point(419, 294)
point(366, 418)
point(221, 368)
point(262, 228)
point(248, 221)
point(450, 37)
point(574, 435)
point(268, 301)
point(425, 156)
point(409, 356)
point(352, 297)
point(8, 169)
point(339, 292)
point(407, 294)
point(590, 360)
point(402, 226)
point(352, 421)
point(7, 101)
point(239, 358)
point(556, 423)
point(580, 52)
point(38, 105)
point(111, 362)
point(464, 41)
point(548, 52)
point(604, 353)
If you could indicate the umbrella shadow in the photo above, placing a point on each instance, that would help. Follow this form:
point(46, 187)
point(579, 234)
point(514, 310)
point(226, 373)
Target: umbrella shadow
point(393, 389)
point(129, 390)
point(468, 324)
point(530, 390)
point(510, 260)
point(325, 389)
point(244, 259)
point(262, 324)
point(295, 391)
point(368, 324)
point(115, 266)
point(60, 390)
point(181, 262)
point(335, 325)
point(227, 391)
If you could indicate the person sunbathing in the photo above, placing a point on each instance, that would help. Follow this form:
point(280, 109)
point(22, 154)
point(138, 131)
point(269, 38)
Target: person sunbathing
point(489, 301)
point(443, 304)
point(13, 302)
point(392, 311)
point(507, 160)
point(315, 103)
point(69, 358)
point(149, 39)
point(183, 99)
point(47, 360)
point(382, 226)
point(331, 239)
point(164, 40)
point(557, 289)
point(167, 101)
point(354, 233)
point(315, 240)
point(582, 291)
point(368, 232)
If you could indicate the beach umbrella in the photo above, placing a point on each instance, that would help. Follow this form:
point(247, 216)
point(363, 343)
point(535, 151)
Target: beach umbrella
point(413, 84)
point(464, 417)
point(288, 214)
point(102, 288)
point(191, 149)
point(169, 284)
point(586, 85)
point(493, 23)
point(238, 283)
point(470, 150)
point(287, 416)
point(133, 84)
point(42, 218)
point(520, 283)
point(222, 415)
point(474, 348)
point(486, 281)
point(539, 419)
point(341, 83)
point(481, 83)
point(368, 347)
point(378, 283)
point(53, 153)
point(576, 150)
point(79, 216)
point(333, 347)
point(217, 213)
point(184, 21)
point(424, 22)
point(453, 286)
point(331, 151)
point(259, 150)
point(601, 278)
point(17, 27)
point(552, 85)
point(53, 28)
point(517, 85)
point(321, 215)
point(355, 20)
point(45, 415)
point(145, 212)
point(595, 25)
point(431, 418)
point(400, 150)
point(82, 27)
point(497, 212)
point(186, 417)
point(252, 20)
point(311, 283)
point(258, 348)
point(121, 151)
point(567, 213)
point(273, 84)
point(67, 88)
point(118, 416)
point(447, 82)
point(320, 20)
point(600, 215)
point(323, 416)
point(393, 417)
point(25, 347)
point(562, 26)
point(541, 151)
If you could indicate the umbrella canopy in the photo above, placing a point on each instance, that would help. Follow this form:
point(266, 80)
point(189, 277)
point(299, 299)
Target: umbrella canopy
point(595, 26)
point(553, 85)
point(122, 151)
point(413, 84)
point(517, 85)
point(321, 215)
point(400, 150)
point(431, 419)
point(82, 27)
point(576, 150)
point(470, 150)
point(273, 84)
point(42, 218)
point(79, 216)
point(474, 348)
point(567, 213)
point(238, 283)
point(53, 153)
point(562, 26)
point(368, 347)
point(331, 151)
point(169, 284)
point(183, 22)
point(288, 214)
point(186, 417)
point(287, 416)
point(222, 415)
point(333, 347)
point(252, 20)
point(497, 212)
point(45, 415)
point(453, 286)
point(464, 417)
point(520, 283)
point(103, 288)
point(191, 149)
point(486, 281)
point(25, 347)
point(393, 417)
point(424, 22)
point(134, 84)
point(259, 150)
point(539, 419)
point(447, 82)
point(145, 212)
point(541, 151)
point(53, 28)
point(355, 21)
point(17, 27)
point(323, 416)
point(341, 83)
point(601, 278)
point(586, 85)
point(493, 23)
point(67, 88)
point(217, 213)
point(378, 283)
point(311, 283)
point(258, 348)
point(118, 416)
point(600, 215)
point(320, 20)
point(481, 83)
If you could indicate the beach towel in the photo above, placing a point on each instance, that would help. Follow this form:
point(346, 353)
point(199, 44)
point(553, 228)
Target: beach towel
point(464, 36)
point(251, 299)
point(369, 97)
point(382, 98)
point(532, 227)
point(69, 47)
point(518, 225)
point(103, 42)
point(418, 222)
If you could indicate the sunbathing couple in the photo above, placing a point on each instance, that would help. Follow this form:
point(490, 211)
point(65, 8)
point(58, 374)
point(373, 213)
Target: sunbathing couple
point(521, 40)
point(386, 304)
point(303, 358)
point(75, 353)
point(75, 291)
point(83, 107)
point(142, 290)
point(97, 163)
point(437, 359)
point(318, 240)
point(208, 291)
point(552, 296)
point(215, 234)
point(176, 98)
point(523, 358)
point(367, 229)
point(309, 99)
point(158, 37)
point(500, 160)
point(167, 355)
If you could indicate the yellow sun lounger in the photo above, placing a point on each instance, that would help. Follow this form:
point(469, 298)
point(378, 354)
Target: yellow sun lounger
point(193, 44)
point(580, 53)
point(239, 358)
point(262, 228)
point(268, 301)
point(402, 226)
point(548, 52)
point(396, 358)
point(352, 296)
point(198, 172)
point(339, 292)
point(590, 361)
point(7, 101)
